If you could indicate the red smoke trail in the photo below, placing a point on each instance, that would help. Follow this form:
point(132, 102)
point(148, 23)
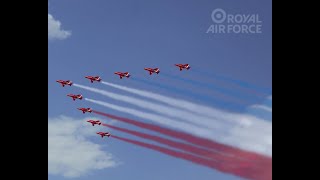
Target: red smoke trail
point(218, 147)
point(175, 144)
point(224, 160)
point(241, 171)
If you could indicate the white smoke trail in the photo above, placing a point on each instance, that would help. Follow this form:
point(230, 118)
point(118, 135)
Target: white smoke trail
point(187, 105)
point(193, 107)
point(161, 109)
point(249, 126)
point(238, 137)
point(234, 118)
point(156, 118)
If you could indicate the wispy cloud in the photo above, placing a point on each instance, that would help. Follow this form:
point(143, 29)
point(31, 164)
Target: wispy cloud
point(70, 152)
point(54, 29)
point(262, 107)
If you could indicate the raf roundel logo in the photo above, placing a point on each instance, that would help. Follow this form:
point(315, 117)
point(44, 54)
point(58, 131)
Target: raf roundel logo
point(218, 15)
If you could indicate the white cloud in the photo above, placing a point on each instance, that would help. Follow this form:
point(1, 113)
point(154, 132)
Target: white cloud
point(70, 153)
point(54, 29)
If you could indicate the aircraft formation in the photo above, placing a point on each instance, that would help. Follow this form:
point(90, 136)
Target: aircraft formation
point(98, 79)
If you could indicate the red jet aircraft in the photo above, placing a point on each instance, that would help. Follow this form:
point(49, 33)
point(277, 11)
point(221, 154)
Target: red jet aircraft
point(104, 134)
point(152, 70)
point(183, 66)
point(75, 96)
point(63, 83)
point(94, 78)
point(84, 110)
point(93, 122)
point(121, 74)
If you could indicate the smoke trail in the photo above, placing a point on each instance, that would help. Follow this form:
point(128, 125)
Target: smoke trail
point(159, 119)
point(206, 99)
point(182, 104)
point(234, 81)
point(203, 142)
point(226, 84)
point(236, 94)
point(260, 141)
point(252, 126)
point(178, 103)
point(242, 138)
point(242, 119)
point(205, 153)
point(202, 121)
point(182, 146)
point(242, 170)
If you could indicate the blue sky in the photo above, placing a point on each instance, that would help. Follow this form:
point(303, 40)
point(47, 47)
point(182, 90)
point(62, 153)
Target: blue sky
point(103, 36)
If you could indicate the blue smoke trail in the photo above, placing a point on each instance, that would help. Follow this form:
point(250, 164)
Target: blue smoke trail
point(233, 93)
point(235, 81)
point(206, 99)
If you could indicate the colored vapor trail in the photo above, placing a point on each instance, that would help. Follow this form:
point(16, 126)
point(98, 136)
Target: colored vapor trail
point(237, 82)
point(159, 108)
point(174, 102)
point(230, 92)
point(202, 142)
point(242, 170)
point(182, 104)
point(179, 145)
point(207, 99)
point(205, 153)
